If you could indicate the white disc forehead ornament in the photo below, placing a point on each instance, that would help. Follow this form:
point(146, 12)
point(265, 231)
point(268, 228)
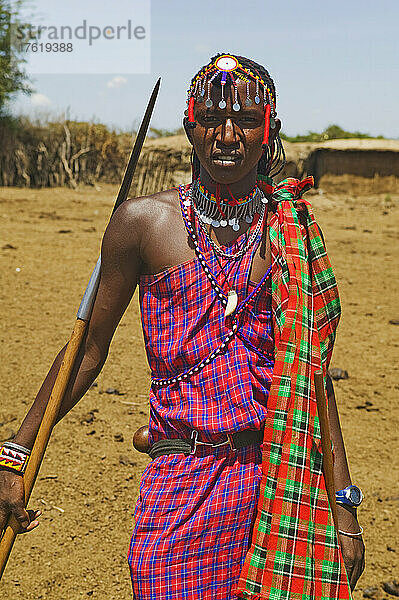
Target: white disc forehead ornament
point(226, 63)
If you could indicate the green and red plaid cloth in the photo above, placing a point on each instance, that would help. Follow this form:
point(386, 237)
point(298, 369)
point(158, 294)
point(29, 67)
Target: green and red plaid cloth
point(295, 553)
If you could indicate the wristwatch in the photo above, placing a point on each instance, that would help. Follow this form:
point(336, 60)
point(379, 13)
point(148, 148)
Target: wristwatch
point(351, 496)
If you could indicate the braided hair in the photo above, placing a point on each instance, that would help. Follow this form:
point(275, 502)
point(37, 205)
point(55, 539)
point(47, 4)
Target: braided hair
point(272, 160)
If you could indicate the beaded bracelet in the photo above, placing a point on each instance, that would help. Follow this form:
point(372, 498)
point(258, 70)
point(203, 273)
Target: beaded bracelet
point(14, 457)
point(350, 534)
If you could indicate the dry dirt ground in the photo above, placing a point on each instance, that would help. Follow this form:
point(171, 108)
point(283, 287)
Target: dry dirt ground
point(88, 484)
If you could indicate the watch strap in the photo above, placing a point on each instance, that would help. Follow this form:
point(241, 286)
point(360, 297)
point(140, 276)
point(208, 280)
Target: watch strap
point(343, 496)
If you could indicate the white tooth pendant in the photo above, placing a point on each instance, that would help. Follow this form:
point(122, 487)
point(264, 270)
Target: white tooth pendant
point(232, 301)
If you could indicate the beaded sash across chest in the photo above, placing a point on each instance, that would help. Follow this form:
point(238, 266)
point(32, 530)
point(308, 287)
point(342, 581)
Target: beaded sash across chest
point(231, 308)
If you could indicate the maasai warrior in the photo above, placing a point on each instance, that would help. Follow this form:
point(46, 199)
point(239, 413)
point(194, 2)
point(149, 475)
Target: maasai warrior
point(239, 308)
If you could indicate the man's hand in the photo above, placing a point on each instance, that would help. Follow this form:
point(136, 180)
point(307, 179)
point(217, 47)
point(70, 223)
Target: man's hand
point(353, 554)
point(12, 497)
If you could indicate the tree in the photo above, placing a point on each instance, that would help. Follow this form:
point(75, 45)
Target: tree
point(13, 77)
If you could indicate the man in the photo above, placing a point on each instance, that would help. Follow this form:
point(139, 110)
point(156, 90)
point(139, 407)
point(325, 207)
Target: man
point(222, 265)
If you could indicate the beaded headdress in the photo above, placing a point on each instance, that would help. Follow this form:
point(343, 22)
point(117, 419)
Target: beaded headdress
point(227, 68)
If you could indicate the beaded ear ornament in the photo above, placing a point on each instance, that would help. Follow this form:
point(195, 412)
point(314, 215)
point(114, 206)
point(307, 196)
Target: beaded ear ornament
point(226, 68)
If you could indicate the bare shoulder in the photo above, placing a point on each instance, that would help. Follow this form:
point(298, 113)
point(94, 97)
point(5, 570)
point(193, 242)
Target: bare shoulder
point(134, 221)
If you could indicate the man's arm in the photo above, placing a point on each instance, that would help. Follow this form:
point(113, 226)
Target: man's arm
point(352, 547)
point(120, 268)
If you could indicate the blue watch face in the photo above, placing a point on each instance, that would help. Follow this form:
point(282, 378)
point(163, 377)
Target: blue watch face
point(355, 495)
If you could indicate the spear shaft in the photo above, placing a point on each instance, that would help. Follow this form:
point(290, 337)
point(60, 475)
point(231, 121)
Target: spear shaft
point(72, 349)
point(328, 464)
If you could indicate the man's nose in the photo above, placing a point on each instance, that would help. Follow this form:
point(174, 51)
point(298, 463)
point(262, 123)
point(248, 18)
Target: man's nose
point(227, 135)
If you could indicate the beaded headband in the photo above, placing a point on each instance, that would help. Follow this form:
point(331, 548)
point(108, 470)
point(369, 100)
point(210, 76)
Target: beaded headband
point(223, 68)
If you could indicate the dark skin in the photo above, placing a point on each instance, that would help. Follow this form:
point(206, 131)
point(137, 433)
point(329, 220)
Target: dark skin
point(147, 235)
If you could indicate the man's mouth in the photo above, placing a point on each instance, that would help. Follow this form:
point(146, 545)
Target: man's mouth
point(226, 160)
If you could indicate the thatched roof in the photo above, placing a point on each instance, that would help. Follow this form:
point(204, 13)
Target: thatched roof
point(180, 142)
point(165, 161)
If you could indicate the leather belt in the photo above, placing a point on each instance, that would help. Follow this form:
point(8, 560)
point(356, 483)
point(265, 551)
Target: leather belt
point(239, 439)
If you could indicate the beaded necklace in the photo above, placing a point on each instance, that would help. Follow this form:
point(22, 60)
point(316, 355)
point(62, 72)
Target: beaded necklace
point(246, 245)
point(233, 323)
point(230, 302)
point(218, 212)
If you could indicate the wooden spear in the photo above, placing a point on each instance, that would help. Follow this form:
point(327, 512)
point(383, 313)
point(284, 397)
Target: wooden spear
point(328, 465)
point(71, 352)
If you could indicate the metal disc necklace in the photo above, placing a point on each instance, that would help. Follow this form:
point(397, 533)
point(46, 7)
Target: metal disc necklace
point(230, 303)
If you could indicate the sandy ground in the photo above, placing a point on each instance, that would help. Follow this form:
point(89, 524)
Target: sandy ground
point(88, 484)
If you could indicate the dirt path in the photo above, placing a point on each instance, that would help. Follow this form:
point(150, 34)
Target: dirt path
point(88, 485)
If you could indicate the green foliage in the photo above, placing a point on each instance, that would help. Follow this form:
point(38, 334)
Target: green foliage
point(13, 77)
point(157, 133)
point(332, 132)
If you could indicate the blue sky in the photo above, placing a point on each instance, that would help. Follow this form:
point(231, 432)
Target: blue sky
point(332, 62)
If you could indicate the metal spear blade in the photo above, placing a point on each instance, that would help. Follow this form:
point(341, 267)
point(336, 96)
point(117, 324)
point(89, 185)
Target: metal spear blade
point(135, 153)
point(89, 296)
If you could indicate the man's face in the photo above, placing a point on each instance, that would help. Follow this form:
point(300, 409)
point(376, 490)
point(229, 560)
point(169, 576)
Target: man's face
point(229, 143)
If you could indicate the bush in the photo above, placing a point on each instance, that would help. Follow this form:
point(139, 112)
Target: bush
point(332, 132)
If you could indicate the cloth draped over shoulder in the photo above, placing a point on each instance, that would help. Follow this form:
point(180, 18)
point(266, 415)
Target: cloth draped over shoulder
point(294, 552)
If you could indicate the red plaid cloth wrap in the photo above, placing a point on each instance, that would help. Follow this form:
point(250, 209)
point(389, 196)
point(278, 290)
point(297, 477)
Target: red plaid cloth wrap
point(194, 514)
point(183, 323)
point(295, 552)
